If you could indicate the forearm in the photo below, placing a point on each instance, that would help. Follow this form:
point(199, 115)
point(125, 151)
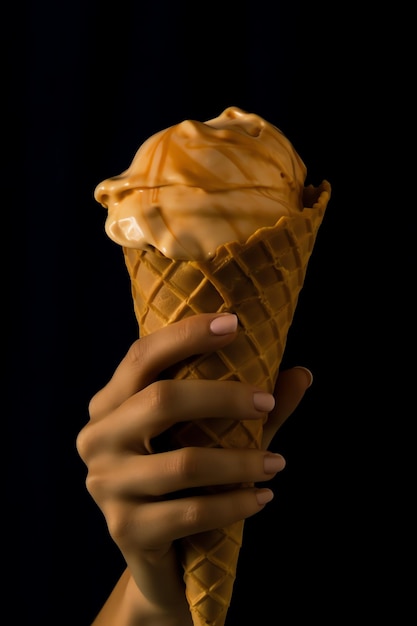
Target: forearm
point(127, 606)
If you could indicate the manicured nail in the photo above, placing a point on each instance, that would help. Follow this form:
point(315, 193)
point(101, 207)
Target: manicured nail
point(307, 371)
point(273, 463)
point(224, 324)
point(263, 401)
point(263, 496)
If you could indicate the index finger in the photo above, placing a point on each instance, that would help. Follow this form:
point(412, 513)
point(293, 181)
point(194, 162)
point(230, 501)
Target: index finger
point(148, 356)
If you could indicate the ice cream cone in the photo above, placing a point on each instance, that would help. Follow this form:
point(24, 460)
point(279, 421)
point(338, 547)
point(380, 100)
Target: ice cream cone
point(260, 281)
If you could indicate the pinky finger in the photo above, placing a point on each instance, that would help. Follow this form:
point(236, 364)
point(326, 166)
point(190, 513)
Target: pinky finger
point(173, 519)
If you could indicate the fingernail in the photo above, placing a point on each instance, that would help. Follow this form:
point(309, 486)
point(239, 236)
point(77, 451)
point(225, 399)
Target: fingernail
point(263, 401)
point(224, 324)
point(263, 496)
point(273, 463)
point(307, 371)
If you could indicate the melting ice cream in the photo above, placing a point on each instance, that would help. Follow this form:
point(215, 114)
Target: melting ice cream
point(197, 185)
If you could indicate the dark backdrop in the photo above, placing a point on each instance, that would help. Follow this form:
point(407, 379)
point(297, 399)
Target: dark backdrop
point(94, 80)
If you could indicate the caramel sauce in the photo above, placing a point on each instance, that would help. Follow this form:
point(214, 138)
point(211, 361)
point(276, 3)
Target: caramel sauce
point(197, 185)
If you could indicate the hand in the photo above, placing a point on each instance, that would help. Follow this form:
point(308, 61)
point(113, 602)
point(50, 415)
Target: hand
point(136, 489)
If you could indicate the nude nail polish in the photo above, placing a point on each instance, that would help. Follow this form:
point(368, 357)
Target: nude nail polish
point(273, 463)
point(264, 495)
point(263, 401)
point(224, 324)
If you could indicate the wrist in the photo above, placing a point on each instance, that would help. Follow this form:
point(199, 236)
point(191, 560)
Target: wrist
point(149, 614)
point(127, 606)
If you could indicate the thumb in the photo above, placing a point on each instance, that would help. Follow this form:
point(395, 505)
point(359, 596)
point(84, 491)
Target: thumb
point(289, 391)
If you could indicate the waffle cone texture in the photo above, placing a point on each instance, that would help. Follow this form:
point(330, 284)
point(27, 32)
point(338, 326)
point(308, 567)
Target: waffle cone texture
point(260, 281)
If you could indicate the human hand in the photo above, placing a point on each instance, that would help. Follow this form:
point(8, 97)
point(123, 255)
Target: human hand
point(143, 494)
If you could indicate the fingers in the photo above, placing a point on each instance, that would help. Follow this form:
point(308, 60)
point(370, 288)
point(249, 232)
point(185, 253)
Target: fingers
point(142, 499)
point(150, 355)
point(289, 391)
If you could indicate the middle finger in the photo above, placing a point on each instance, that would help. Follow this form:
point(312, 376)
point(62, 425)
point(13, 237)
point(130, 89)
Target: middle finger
point(159, 406)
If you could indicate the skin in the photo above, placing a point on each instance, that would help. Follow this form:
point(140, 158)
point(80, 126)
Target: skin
point(133, 486)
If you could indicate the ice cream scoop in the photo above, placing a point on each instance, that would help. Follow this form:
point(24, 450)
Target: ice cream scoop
point(197, 185)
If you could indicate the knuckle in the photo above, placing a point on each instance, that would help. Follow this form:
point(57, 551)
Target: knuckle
point(84, 442)
point(119, 526)
point(159, 396)
point(185, 331)
point(192, 514)
point(185, 463)
point(96, 484)
point(182, 465)
point(136, 352)
point(127, 529)
point(92, 406)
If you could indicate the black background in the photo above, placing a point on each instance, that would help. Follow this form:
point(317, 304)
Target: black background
point(90, 82)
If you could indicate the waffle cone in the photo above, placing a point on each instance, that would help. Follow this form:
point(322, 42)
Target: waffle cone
point(260, 281)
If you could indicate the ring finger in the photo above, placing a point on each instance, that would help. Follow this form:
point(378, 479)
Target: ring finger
point(168, 472)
